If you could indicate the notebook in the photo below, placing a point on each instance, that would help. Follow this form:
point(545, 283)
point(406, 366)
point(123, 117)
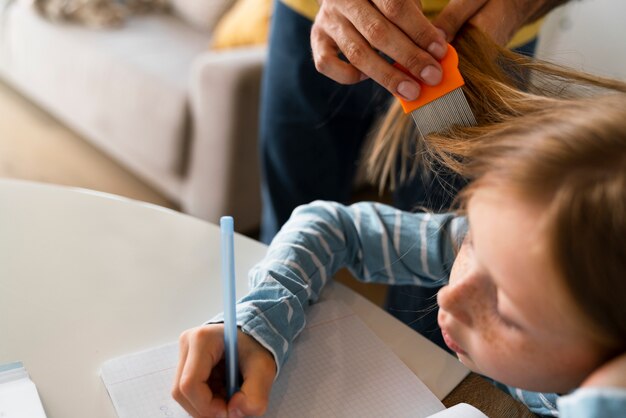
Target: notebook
point(338, 367)
point(18, 394)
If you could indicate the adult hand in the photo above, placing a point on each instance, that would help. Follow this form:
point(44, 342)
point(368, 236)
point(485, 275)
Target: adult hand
point(500, 19)
point(360, 28)
point(198, 385)
point(610, 374)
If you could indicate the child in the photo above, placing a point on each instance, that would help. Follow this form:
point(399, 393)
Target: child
point(534, 262)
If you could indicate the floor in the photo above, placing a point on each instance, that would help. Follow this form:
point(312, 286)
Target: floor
point(35, 146)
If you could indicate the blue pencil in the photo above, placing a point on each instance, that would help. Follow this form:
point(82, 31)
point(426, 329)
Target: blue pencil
point(230, 319)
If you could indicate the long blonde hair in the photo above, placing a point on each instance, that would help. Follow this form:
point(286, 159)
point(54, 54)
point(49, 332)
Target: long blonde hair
point(558, 139)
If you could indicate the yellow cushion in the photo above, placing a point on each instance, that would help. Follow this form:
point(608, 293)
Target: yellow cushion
point(246, 23)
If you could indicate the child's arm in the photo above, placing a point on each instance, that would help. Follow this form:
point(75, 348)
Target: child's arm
point(376, 242)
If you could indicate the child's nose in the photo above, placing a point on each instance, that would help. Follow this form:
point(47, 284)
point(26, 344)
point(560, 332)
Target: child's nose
point(457, 300)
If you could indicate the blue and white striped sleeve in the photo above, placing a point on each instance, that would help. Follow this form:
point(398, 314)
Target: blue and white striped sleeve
point(593, 402)
point(377, 243)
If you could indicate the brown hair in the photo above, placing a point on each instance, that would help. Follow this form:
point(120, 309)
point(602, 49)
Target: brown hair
point(552, 135)
point(501, 85)
point(571, 159)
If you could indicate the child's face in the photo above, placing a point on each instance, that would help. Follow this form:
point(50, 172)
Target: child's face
point(506, 311)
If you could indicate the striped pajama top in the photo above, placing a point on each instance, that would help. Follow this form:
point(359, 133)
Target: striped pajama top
point(378, 244)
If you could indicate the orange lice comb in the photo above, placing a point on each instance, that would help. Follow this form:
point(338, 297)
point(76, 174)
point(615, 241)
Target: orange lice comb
point(444, 105)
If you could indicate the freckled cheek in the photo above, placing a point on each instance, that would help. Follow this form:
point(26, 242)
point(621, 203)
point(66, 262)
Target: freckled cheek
point(492, 353)
point(511, 364)
point(487, 326)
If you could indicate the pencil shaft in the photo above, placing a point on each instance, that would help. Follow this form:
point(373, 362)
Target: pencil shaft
point(230, 318)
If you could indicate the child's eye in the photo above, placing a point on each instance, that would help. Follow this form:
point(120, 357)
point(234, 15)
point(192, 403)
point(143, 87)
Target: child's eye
point(506, 321)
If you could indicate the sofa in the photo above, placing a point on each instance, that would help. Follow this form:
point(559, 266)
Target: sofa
point(154, 96)
point(183, 117)
point(587, 35)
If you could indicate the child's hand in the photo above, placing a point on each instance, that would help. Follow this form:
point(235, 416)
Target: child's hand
point(610, 374)
point(199, 383)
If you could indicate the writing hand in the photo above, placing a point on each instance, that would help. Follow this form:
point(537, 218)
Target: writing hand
point(199, 382)
point(360, 28)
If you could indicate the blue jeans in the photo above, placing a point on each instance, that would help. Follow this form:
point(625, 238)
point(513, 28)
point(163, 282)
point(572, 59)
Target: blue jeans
point(311, 128)
point(311, 135)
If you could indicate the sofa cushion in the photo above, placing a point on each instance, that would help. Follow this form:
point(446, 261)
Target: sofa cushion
point(246, 23)
point(125, 89)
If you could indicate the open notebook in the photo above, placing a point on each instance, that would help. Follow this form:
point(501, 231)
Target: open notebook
point(338, 367)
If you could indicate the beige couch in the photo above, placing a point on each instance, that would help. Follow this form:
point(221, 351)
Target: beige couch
point(152, 95)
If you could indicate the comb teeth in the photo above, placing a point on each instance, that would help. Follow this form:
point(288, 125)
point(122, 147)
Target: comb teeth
point(445, 112)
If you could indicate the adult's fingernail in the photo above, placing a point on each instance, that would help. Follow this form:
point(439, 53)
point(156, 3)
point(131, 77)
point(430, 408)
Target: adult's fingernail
point(409, 90)
point(235, 413)
point(437, 50)
point(443, 33)
point(431, 75)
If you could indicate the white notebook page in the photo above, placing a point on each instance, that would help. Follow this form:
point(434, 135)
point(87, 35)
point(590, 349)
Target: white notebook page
point(338, 368)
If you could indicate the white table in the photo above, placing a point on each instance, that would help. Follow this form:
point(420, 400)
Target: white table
point(86, 276)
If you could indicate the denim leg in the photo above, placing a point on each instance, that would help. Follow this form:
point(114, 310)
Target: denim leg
point(528, 48)
point(414, 305)
point(311, 128)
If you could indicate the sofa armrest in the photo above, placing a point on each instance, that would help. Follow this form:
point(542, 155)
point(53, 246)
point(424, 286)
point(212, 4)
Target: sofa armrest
point(223, 172)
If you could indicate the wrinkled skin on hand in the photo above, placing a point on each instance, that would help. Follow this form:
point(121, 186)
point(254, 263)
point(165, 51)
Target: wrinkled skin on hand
point(360, 29)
